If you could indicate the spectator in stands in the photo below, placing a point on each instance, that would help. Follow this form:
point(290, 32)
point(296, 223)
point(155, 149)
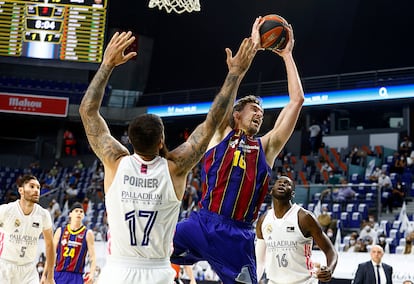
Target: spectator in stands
point(382, 240)
point(406, 146)
point(54, 171)
point(361, 245)
point(324, 219)
point(189, 201)
point(71, 195)
point(125, 141)
point(73, 178)
point(369, 222)
point(78, 166)
point(69, 143)
point(375, 174)
point(314, 137)
point(344, 192)
point(398, 194)
point(326, 167)
point(350, 247)
point(98, 234)
point(357, 156)
point(400, 163)
point(330, 232)
point(48, 184)
point(385, 187)
point(333, 179)
point(369, 235)
point(54, 210)
point(40, 266)
point(341, 194)
point(326, 126)
point(409, 244)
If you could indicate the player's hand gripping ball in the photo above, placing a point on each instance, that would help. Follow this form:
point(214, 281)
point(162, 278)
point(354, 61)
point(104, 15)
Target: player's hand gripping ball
point(273, 32)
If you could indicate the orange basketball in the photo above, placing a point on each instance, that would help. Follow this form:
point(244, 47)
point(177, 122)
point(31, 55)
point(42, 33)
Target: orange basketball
point(273, 32)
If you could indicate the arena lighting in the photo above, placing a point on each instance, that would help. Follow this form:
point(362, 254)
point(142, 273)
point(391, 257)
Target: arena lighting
point(311, 99)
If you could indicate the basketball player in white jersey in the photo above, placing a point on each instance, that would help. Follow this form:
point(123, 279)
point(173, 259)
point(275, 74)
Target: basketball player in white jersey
point(285, 234)
point(144, 190)
point(21, 224)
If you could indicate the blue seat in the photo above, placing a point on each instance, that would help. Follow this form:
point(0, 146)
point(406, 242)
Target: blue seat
point(326, 206)
point(395, 235)
point(311, 206)
point(394, 178)
point(336, 210)
point(361, 189)
point(345, 219)
point(386, 226)
point(396, 225)
point(363, 209)
point(355, 178)
point(356, 219)
point(370, 199)
point(351, 207)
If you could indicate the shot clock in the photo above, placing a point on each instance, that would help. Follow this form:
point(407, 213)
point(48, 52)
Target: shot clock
point(67, 30)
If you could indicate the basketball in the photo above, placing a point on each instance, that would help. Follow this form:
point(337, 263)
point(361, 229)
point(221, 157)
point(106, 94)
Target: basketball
point(273, 32)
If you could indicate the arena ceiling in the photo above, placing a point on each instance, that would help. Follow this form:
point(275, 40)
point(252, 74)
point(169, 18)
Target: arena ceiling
point(332, 37)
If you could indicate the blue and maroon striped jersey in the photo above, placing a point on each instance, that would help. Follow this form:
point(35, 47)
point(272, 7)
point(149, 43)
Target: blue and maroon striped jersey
point(71, 250)
point(235, 177)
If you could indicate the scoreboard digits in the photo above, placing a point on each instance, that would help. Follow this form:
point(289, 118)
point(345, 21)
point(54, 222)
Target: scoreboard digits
point(71, 30)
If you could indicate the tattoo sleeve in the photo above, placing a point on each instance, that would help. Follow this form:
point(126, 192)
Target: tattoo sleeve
point(189, 155)
point(96, 129)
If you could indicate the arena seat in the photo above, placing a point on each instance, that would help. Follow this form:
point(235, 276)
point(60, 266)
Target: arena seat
point(363, 209)
point(356, 219)
point(336, 210)
point(399, 250)
point(345, 219)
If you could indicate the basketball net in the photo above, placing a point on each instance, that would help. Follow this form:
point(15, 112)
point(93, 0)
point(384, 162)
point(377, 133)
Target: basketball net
point(178, 6)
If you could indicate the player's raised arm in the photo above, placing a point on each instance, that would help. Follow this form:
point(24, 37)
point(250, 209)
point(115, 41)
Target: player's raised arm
point(187, 155)
point(107, 148)
point(275, 139)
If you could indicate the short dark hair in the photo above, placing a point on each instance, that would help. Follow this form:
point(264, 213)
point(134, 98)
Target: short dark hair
point(76, 205)
point(25, 179)
point(145, 133)
point(241, 103)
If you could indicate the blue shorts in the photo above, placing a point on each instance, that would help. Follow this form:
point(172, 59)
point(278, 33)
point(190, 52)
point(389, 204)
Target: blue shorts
point(226, 244)
point(64, 277)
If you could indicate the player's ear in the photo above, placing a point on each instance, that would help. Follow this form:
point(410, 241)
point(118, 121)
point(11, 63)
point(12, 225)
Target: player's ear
point(20, 190)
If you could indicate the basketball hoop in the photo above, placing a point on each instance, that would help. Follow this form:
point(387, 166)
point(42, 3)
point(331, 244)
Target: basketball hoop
point(178, 6)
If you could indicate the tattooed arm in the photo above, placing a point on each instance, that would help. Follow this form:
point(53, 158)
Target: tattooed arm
point(107, 148)
point(187, 155)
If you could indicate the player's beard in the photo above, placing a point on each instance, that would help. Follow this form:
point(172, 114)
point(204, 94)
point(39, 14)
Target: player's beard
point(30, 198)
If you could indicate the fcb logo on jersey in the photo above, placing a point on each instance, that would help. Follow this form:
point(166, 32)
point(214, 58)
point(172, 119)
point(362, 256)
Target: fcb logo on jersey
point(17, 223)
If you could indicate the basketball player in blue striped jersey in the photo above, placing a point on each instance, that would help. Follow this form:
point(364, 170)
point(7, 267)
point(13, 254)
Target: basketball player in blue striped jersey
point(72, 243)
point(235, 177)
point(143, 190)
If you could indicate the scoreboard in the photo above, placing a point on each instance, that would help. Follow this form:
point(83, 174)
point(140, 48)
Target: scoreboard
point(65, 30)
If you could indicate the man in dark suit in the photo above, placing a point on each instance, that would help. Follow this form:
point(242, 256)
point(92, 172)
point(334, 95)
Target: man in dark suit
point(374, 271)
